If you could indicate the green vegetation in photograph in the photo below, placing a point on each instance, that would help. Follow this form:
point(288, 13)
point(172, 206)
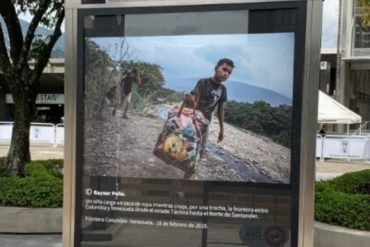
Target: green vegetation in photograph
point(262, 119)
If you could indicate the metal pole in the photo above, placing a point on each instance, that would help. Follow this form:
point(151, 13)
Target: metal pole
point(348, 143)
point(338, 90)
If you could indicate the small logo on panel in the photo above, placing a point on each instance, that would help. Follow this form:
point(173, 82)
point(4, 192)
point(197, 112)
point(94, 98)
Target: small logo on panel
point(276, 236)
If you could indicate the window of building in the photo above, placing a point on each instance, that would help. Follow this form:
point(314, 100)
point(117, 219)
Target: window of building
point(361, 34)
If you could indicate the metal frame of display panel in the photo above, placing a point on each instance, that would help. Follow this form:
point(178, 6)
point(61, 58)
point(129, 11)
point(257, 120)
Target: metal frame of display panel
point(306, 57)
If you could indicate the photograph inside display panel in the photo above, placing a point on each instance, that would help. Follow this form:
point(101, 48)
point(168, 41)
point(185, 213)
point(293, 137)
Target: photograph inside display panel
point(208, 107)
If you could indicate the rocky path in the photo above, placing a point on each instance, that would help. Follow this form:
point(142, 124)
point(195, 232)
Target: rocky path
point(123, 147)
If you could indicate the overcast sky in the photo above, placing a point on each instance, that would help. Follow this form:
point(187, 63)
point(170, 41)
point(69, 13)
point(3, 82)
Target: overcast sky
point(330, 24)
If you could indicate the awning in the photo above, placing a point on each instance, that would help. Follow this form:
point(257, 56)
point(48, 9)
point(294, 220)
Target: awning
point(333, 112)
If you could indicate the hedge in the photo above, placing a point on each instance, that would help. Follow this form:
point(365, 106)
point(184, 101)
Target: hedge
point(344, 201)
point(3, 171)
point(42, 186)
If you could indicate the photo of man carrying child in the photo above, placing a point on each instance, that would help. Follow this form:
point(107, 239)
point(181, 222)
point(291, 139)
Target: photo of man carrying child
point(111, 98)
point(126, 86)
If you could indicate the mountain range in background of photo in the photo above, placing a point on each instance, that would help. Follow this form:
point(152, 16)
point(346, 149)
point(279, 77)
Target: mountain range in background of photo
point(58, 50)
point(237, 91)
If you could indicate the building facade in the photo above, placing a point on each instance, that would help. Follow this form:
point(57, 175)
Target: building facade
point(50, 100)
point(353, 88)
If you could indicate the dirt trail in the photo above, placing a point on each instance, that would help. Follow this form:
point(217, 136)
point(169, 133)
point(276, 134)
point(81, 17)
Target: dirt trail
point(123, 147)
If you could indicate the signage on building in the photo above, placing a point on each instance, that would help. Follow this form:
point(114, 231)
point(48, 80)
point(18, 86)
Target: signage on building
point(42, 99)
point(323, 65)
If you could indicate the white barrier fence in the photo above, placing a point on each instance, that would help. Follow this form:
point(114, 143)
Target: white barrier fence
point(59, 134)
point(6, 129)
point(353, 147)
point(40, 133)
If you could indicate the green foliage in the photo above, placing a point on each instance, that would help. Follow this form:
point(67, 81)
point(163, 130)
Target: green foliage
point(38, 45)
point(42, 186)
point(342, 201)
point(152, 80)
point(151, 76)
point(51, 167)
point(141, 102)
point(3, 170)
point(352, 182)
point(103, 72)
point(165, 95)
point(261, 118)
point(100, 76)
point(31, 7)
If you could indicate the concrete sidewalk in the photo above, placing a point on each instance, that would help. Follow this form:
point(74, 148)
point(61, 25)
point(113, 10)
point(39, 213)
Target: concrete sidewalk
point(333, 168)
point(39, 152)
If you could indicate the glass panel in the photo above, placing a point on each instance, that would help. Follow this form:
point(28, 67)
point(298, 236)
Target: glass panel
point(221, 22)
point(158, 168)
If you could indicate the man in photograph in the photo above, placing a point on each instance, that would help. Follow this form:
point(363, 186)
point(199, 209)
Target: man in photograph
point(210, 92)
point(129, 77)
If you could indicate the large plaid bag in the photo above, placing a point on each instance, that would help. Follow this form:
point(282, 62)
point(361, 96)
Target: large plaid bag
point(180, 142)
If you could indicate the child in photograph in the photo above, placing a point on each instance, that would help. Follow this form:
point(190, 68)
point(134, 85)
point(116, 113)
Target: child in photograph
point(126, 86)
point(109, 99)
point(210, 92)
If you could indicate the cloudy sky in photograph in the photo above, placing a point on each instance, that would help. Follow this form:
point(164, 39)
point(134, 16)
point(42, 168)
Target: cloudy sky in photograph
point(262, 60)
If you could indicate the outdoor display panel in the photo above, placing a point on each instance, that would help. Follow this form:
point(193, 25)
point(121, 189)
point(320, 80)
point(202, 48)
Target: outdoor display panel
point(155, 166)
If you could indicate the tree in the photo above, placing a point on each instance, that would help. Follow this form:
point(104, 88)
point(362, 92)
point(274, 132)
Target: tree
point(151, 76)
point(100, 76)
point(22, 80)
point(262, 119)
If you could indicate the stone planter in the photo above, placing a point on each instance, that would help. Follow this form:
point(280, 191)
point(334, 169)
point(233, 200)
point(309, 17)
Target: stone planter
point(30, 220)
point(335, 236)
